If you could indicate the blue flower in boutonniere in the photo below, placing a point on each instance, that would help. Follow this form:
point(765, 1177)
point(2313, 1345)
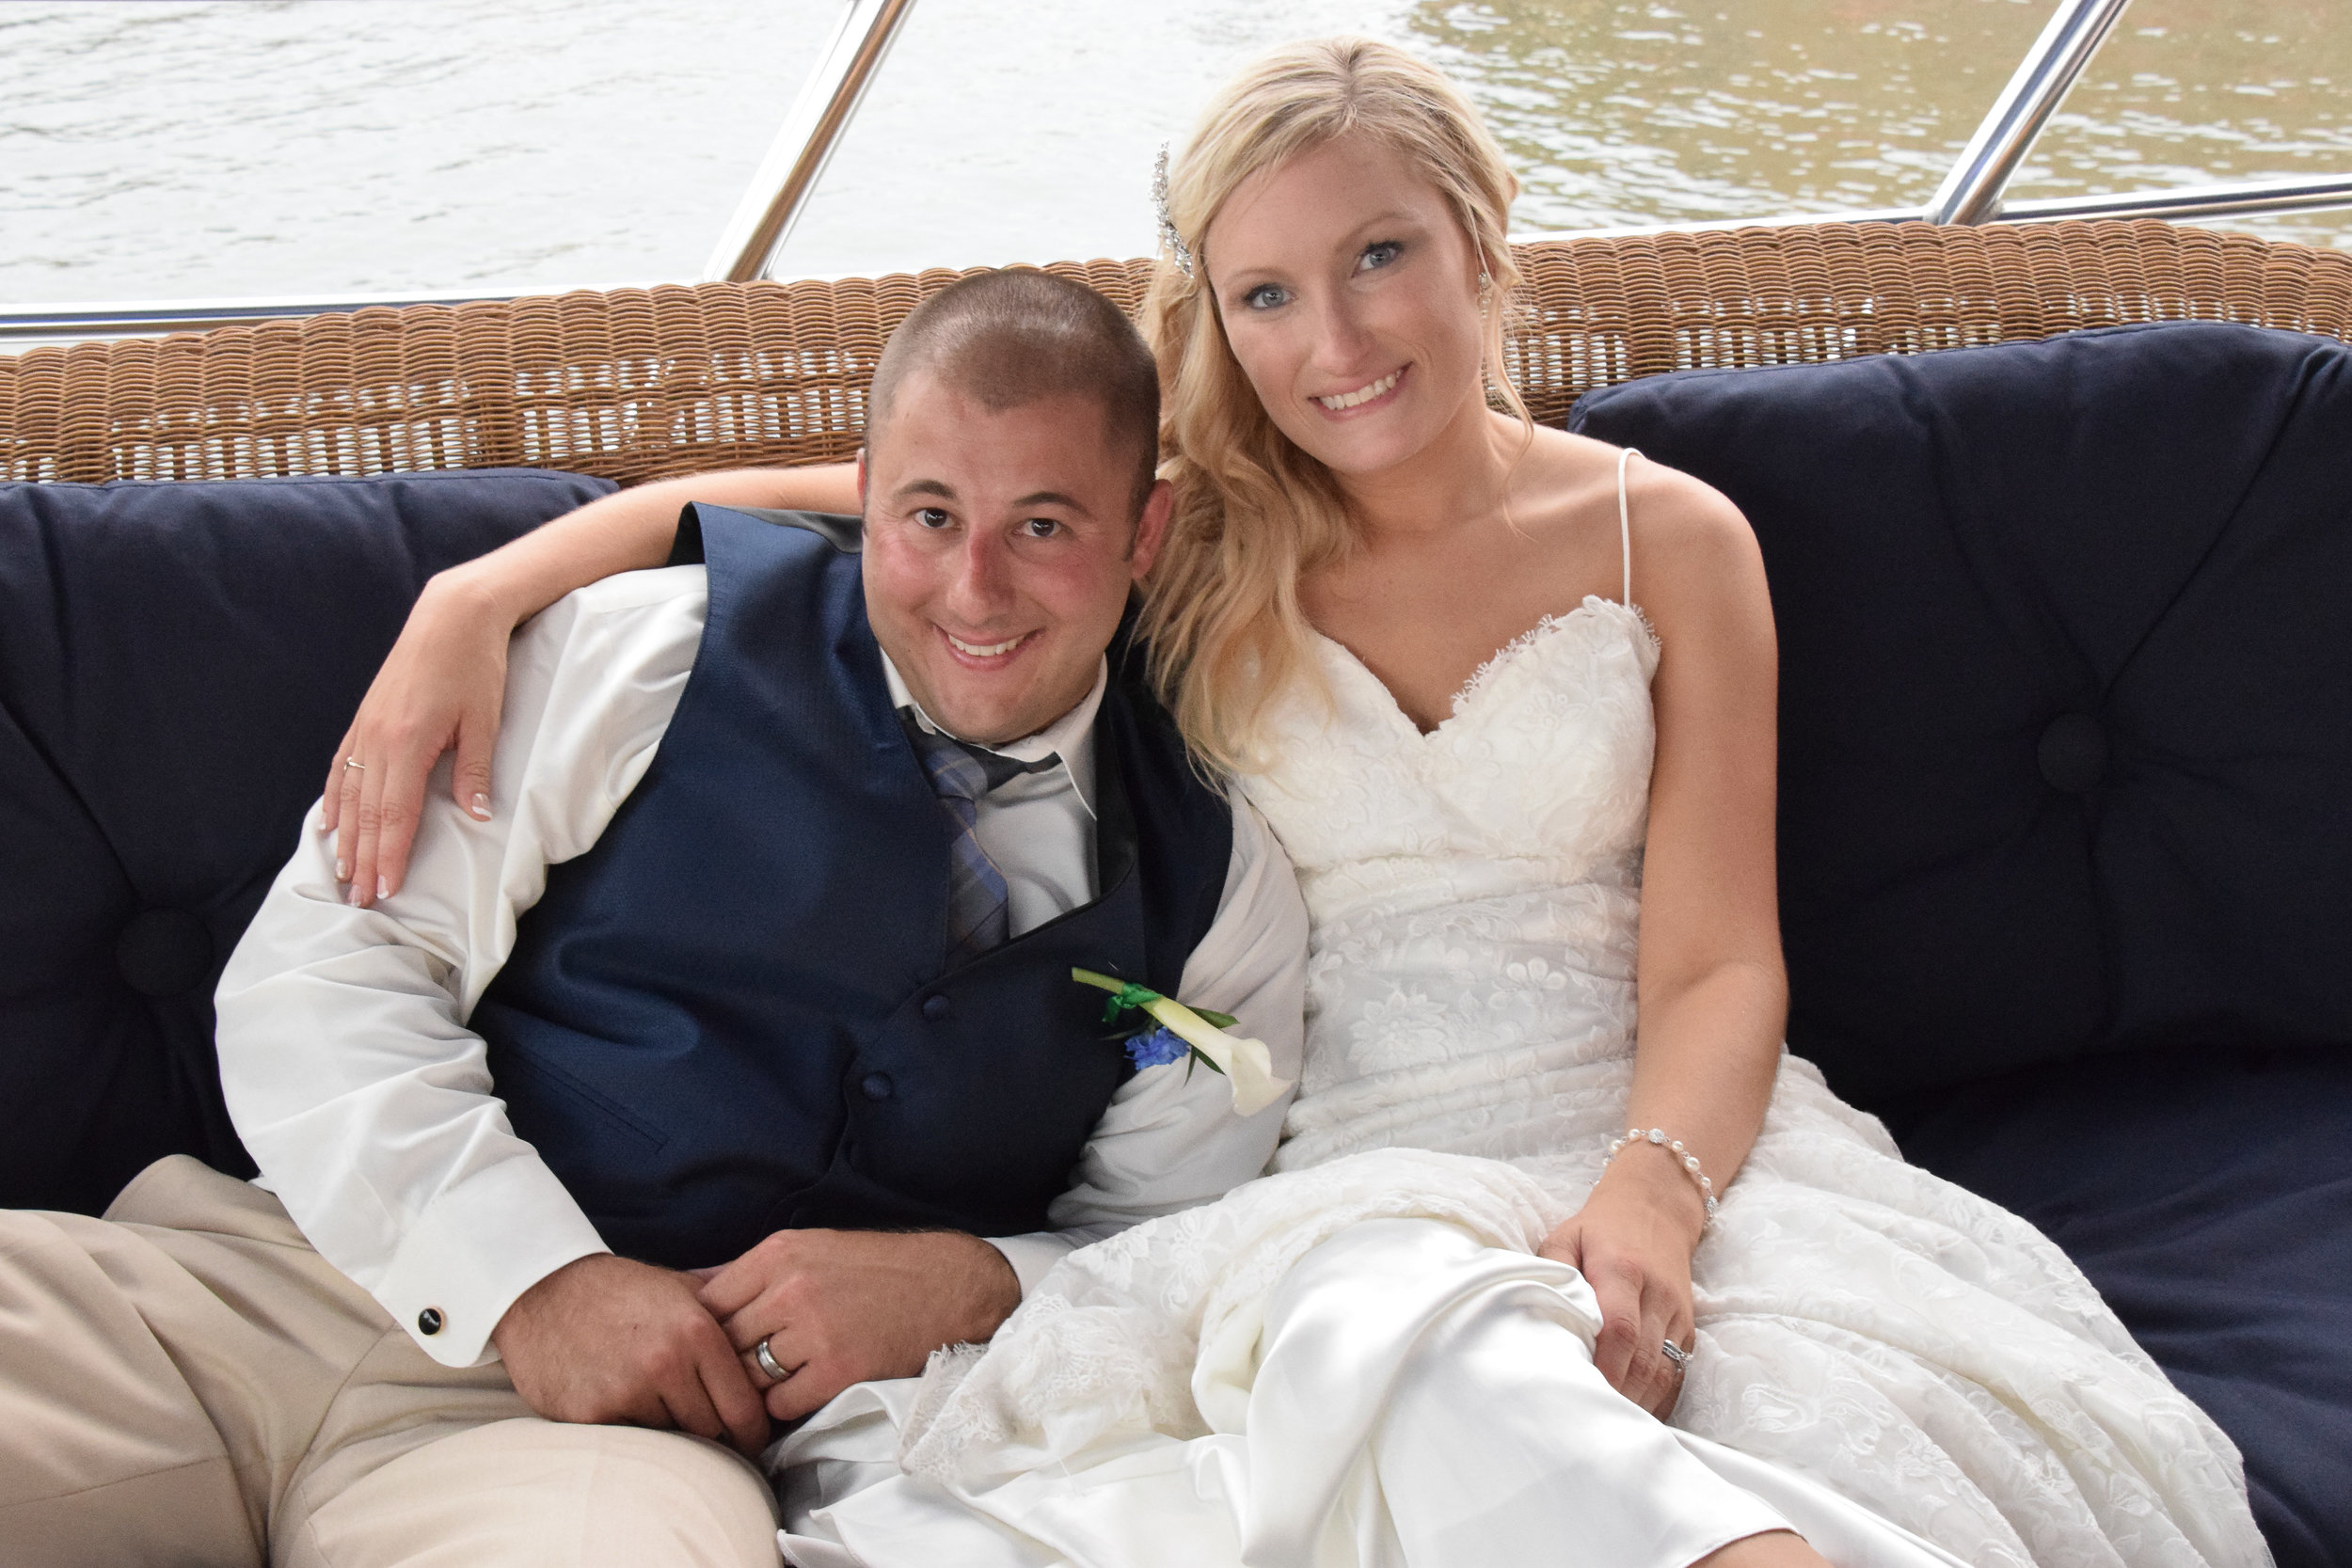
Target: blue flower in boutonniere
point(1150, 1046)
point(1174, 1030)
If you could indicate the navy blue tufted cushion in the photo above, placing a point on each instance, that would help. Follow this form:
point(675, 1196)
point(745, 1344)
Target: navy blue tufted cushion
point(2066, 814)
point(2066, 713)
point(176, 661)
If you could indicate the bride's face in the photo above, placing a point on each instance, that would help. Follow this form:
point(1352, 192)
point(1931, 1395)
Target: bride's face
point(1349, 293)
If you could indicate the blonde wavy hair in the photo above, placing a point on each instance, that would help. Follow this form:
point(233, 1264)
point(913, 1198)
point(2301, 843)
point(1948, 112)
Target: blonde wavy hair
point(1254, 514)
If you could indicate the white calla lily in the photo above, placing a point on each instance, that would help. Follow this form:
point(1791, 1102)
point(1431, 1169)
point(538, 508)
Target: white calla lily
point(1248, 1065)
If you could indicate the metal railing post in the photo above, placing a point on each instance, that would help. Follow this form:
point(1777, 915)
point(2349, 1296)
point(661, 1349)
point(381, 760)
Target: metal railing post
point(1971, 193)
point(2299, 194)
point(796, 160)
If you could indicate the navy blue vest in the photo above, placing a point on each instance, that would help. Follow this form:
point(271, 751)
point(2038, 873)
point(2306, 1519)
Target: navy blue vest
point(734, 1015)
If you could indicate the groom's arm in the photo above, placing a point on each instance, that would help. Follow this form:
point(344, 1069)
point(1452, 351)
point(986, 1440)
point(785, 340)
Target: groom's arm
point(353, 1081)
point(345, 1055)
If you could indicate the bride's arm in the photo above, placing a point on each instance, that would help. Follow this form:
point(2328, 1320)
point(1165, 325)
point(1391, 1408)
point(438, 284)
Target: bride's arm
point(442, 683)
point(1713, 992)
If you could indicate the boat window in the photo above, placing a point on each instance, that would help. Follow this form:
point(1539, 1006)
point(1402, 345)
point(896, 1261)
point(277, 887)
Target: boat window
point(309, 148)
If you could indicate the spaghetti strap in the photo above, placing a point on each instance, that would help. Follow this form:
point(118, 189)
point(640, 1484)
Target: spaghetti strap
point(1625, 529)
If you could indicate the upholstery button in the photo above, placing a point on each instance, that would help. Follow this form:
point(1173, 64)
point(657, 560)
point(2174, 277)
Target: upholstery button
point(429, 1320)
point(938, 1008)
point(163, 953)
point(2072, 754)
point(877, 1086)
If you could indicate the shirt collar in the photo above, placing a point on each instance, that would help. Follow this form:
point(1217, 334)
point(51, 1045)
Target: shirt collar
point(1070, 736)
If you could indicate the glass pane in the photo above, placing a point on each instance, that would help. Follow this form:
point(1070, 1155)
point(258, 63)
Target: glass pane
point(1634, 112)
point(1027, 132)
point(2190, 92)
point(999, 134)
point(179, 150)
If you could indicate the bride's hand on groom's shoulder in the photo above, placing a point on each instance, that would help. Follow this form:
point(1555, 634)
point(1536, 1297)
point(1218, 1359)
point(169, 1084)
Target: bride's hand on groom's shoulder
point(441, 688)
point(836, 1307)
point(1633, 1245)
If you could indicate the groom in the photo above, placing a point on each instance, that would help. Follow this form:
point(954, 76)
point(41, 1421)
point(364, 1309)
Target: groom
point(735, 1060)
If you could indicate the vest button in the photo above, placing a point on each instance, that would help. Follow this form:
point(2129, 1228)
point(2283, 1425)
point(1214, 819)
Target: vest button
point(877, 1086)
point(938, 1008)
point(429, 1320)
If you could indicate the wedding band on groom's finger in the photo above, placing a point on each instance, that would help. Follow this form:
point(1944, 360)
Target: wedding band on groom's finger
point(768, 1362)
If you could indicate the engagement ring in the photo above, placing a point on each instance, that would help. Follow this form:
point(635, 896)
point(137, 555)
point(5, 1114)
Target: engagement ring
point(1676, 1354)
point(355, 762)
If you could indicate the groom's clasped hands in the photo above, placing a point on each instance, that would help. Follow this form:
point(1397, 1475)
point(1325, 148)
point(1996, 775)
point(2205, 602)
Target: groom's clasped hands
point(606, 1339)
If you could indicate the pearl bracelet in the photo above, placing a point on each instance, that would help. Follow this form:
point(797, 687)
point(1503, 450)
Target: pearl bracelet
point(1673, 1146)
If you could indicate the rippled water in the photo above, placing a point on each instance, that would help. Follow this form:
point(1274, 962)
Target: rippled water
point(163, 149)
point(1630, 113)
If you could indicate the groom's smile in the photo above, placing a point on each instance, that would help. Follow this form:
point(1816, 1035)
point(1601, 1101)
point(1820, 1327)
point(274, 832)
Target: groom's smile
point(1000, 547)
point(973, 651)
point(992, 657)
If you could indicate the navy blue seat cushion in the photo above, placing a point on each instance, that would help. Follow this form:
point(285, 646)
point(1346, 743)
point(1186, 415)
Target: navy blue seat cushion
point(2209, 1196)
point(2066, 690)
point(176, 662)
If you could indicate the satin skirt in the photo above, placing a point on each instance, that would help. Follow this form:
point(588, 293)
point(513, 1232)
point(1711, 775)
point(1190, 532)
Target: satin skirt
point(1414, 1398)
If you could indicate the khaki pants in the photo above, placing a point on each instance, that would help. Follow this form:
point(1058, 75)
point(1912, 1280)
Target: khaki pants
point(187, 1382)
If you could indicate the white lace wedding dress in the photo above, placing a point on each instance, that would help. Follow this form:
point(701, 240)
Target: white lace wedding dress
point(1862, 1324)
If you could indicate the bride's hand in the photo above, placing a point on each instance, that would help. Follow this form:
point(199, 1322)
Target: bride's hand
point(442, 685)
point(1632, 1243)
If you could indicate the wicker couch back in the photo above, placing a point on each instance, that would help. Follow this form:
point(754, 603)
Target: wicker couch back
point(639, 384)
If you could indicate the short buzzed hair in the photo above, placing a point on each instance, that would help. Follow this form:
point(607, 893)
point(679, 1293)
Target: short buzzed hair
point(1009, 339)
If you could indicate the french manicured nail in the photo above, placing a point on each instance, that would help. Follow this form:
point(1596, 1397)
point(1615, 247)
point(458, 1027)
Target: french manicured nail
point(482, 807)
point(343, 871)
point(383, 887)
point(354, 896)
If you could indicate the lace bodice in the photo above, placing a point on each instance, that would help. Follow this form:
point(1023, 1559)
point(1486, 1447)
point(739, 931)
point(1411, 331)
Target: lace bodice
point(1474, 891)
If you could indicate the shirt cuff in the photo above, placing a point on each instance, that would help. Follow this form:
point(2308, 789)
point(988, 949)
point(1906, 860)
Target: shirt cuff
point(475, 1248)
point(1033, 1256)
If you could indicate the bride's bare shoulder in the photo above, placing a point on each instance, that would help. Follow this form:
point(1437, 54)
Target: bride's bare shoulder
point(1697, 570)
point(1569, 482)
point(1698, 573)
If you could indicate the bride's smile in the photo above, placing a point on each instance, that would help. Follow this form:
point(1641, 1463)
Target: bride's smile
point(1366, 396)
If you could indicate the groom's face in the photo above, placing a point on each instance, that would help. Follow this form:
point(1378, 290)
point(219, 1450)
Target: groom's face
point(1000, 545)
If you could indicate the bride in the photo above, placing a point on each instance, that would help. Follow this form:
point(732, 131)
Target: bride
point(1527, 1284)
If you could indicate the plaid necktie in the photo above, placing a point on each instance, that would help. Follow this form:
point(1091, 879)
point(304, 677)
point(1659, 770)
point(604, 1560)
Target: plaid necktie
point(978, 904)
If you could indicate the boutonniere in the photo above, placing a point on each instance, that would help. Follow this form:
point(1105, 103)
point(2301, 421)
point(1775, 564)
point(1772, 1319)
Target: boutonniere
point(1170, 1030)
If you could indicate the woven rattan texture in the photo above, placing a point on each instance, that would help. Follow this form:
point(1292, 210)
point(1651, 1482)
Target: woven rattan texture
point(641, 384)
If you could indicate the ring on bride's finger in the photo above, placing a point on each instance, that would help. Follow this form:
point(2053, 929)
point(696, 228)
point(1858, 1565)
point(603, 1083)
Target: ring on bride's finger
point(768, 1362)
point(355, 762)
point(1676, 1354)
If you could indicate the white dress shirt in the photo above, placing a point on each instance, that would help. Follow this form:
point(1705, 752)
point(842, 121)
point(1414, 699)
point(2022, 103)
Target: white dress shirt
point(368, 1103)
